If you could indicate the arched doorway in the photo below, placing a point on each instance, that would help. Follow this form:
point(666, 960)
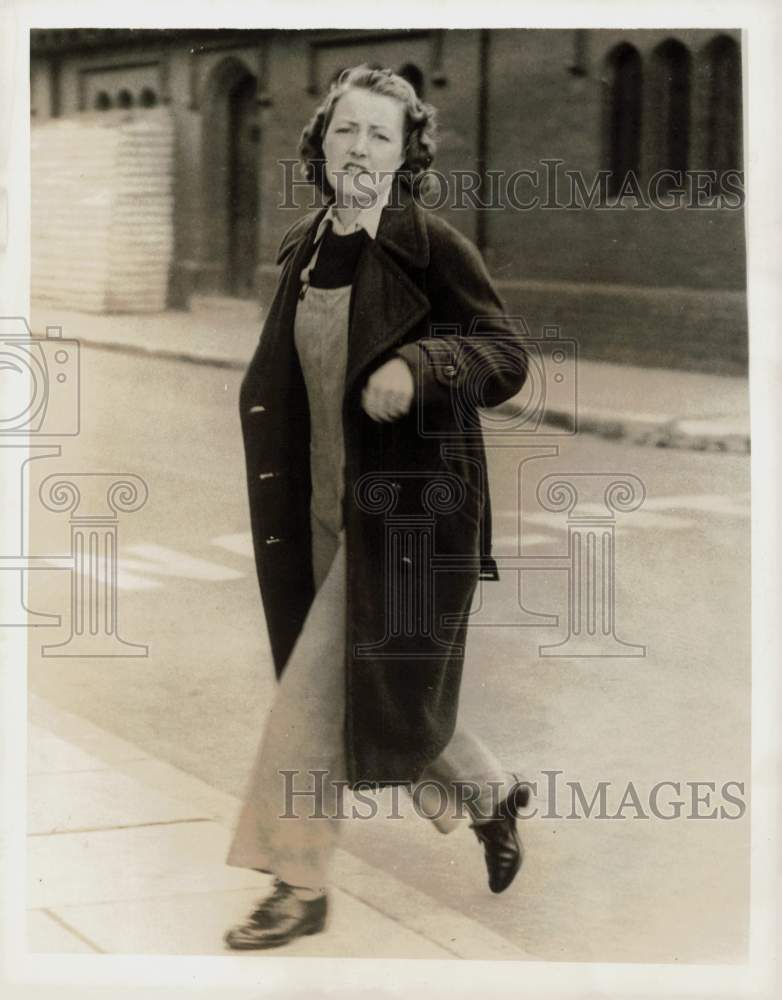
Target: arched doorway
point(231, 153)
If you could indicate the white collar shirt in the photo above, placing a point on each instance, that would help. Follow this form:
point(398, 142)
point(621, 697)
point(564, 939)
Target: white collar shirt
point(367, 219)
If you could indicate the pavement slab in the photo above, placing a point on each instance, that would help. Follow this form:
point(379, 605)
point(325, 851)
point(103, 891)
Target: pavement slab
point(47, 933)
point(150, 862)
point(93, 800)
point(194, 923)
point(125, 856)
point(48, 754)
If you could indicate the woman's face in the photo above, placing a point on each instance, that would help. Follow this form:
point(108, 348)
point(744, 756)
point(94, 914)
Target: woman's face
point(363, 145)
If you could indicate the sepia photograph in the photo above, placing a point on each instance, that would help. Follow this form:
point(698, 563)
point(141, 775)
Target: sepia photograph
point(377, 502)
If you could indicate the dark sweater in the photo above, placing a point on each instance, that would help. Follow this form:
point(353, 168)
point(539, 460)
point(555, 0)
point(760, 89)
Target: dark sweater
point(338, 259)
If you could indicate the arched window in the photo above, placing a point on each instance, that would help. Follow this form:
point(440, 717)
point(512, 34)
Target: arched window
point(124, 99)
point(623, 115)
point(670, 138)
point(147, 98)
point(723, 119)
point(414, 76)
point(102, 101)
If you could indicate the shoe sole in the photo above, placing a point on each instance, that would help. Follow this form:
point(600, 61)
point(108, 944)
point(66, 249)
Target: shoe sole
point(314, 928)
point(510, 881)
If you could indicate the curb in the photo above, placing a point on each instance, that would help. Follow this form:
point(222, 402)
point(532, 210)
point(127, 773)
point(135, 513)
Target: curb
point(659, 432)
point(691, 434)
point(235, 364)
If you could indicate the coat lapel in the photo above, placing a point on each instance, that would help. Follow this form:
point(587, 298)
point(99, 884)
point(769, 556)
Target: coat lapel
point(386, 301)
point(295, 251)
point(386, 304)
point(276, 361)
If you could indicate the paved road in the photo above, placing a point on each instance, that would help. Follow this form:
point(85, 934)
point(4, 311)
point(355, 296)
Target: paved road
point(611, 889)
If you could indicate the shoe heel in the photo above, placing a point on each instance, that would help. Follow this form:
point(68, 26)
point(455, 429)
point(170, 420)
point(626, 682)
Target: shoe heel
point(316, 921)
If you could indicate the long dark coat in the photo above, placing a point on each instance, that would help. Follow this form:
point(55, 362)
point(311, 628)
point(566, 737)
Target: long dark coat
point(416, 506)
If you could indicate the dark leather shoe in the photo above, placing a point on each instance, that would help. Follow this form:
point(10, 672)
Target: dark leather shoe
point(501, 843)
point(280, 918)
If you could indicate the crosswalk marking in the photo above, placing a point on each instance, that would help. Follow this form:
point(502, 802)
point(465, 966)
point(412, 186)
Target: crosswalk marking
point(141, 566)
point(163, 561)
point(512, 541)
point(659, 512)
point(712, 503)
point(155, 561)
point(125, 579)
point(240, 543)
point(640, 519)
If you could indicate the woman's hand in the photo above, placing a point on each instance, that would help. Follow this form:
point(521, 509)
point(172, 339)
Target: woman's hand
point(389, 391)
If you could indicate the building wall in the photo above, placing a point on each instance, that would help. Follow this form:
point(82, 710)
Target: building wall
point(508, 100)
point(555, 115)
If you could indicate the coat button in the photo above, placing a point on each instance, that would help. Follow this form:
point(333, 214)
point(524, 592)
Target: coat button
point(267, 475)
point(272, 539)
point(257, 409)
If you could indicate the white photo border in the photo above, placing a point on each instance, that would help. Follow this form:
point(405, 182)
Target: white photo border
point(35, 975)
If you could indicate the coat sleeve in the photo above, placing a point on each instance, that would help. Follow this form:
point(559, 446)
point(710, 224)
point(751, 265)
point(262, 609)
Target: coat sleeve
point(474, 348)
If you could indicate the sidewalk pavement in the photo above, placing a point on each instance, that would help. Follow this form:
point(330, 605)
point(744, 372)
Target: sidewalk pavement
point(647, 406)
point(125, 856)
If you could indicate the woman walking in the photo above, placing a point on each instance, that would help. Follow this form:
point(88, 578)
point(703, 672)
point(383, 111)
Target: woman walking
point(369, 505)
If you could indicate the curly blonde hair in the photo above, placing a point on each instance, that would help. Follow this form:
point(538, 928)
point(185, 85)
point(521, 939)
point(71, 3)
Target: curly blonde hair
point(420, 123)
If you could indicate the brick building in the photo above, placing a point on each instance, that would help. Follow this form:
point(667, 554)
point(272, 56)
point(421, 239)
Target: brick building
point(639, 282)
